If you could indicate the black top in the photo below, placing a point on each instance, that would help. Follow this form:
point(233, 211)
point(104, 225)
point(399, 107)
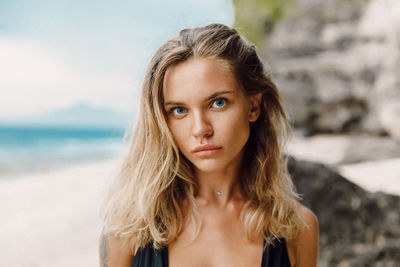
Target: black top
point(274, 255)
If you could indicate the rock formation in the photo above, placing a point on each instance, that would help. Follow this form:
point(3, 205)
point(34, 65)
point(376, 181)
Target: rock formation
point(357, 228)
point(337, 64)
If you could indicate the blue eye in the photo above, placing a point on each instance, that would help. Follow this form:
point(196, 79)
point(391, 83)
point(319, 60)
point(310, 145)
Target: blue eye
point(219, 103)
point(179, 111)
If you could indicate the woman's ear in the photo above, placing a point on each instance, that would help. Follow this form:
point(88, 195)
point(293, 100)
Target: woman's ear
point(254, 106)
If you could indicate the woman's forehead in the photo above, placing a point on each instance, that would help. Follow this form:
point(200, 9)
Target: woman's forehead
point(198, 78)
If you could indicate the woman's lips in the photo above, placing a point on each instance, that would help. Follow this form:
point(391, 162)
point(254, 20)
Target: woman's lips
point(206, 150)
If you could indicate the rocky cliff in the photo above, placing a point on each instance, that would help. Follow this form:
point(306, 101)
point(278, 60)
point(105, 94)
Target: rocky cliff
point(336, 62)
point(357, 228)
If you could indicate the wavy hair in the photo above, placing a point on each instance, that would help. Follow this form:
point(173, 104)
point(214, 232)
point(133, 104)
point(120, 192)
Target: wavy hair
point(145, 203)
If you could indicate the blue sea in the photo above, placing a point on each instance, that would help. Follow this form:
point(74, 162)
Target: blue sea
point(31, 149)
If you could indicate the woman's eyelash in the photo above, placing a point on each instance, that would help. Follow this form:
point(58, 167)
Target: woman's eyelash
point(175, 108)
point(172, 109)
point(219, 99)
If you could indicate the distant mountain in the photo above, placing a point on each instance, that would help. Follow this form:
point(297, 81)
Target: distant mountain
point(79, 115)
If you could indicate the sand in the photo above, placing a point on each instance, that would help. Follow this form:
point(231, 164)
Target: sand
point(373, 175)
point(53, 219)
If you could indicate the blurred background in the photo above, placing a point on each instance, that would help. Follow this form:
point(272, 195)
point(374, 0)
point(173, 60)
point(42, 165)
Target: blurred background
point(70, 73)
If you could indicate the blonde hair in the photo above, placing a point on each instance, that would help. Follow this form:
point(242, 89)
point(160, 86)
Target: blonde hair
point(145, 202)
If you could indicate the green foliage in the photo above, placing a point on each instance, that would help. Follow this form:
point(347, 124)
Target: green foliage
point(256, 18)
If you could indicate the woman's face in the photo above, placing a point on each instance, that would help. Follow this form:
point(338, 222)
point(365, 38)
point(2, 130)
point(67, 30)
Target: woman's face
point(208, 114)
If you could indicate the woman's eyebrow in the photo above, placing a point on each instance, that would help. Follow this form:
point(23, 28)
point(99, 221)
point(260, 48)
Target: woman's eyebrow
point(214, 95)
point(219, 93)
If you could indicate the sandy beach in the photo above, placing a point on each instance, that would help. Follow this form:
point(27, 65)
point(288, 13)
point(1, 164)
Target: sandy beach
point(53, 219)
point(372, 175)
point(380, 175)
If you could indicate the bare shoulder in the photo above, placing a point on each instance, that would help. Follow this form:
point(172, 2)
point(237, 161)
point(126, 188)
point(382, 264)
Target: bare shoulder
point(310, 218)
point(304, 247)
point(115, 252)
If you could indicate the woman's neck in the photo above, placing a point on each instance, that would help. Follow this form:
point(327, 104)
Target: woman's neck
point(219, 188)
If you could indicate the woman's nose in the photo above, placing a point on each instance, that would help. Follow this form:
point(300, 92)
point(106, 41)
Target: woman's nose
point(201, 125)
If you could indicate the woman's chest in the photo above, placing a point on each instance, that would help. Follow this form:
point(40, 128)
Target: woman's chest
point(220, 242)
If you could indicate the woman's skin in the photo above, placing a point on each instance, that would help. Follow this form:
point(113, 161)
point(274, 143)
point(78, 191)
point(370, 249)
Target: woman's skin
point(206, 106)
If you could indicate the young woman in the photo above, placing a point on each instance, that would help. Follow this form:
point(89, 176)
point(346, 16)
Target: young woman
point(205, 182)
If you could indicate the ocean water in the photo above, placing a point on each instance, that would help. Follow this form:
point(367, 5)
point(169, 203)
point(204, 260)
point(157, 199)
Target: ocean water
point(44, 149)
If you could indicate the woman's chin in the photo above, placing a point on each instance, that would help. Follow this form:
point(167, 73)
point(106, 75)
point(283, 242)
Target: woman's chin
point(208, 166)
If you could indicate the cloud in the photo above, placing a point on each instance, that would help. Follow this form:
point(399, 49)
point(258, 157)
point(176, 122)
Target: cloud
point(36, 78)
point(54, 54)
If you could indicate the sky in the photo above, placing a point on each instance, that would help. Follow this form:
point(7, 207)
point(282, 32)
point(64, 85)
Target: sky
point(54, 54)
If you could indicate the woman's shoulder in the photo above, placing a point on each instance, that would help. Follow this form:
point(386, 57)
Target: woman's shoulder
point(309, 217)
point(303, 249)
point(115, 252)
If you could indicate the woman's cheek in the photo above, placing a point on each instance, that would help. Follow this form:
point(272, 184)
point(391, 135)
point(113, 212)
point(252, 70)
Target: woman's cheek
point(179, 133)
